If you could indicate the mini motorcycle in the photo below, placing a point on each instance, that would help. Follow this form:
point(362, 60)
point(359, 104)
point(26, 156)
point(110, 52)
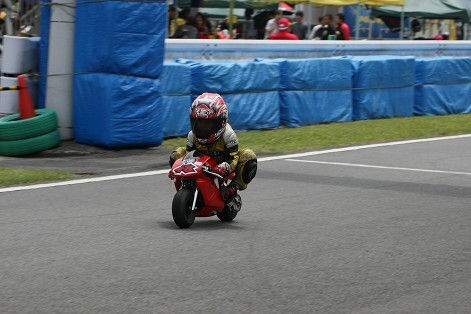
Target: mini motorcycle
point(198, 193)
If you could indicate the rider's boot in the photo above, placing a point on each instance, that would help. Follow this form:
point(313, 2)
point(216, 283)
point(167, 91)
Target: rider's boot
point(229, 192)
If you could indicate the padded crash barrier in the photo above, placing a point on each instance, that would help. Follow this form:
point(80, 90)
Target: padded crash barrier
point(123, 111)
point(383, 87)
point(443, 86)
point(315, 90)
point(118, 64)
point(294, 92)
point(176, 99)
point(250, 90)
point(138, 102)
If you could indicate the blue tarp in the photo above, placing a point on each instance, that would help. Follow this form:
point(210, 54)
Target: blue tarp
point(43, 52)
point(117, 111)
point(176, 79)
point(120, 37)
point(311, 107)
point(443, 99)
point(315, 74)
point(250, 90)
point(443, 70)
point(176, 90)
point(315, 90)
point(175, 115)
point(250, 111)
point(230, 77)
point(443, 86)
point(383, 86)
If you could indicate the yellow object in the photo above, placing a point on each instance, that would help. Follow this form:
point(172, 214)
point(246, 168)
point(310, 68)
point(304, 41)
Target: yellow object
point(3, 15)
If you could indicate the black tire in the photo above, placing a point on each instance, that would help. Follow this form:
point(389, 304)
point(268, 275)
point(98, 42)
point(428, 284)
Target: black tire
point(13, 129)
point(30, 145)
point(226, 215)
point(182, 214)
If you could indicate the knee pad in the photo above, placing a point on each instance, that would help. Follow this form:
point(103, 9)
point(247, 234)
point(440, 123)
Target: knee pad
point(250, 170)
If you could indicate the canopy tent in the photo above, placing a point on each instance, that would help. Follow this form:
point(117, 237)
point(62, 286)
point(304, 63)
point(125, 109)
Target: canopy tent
point(347, 2)
point(433, 9)
point(238, 4)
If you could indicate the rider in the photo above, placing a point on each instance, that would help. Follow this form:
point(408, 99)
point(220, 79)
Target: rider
point(211, 135)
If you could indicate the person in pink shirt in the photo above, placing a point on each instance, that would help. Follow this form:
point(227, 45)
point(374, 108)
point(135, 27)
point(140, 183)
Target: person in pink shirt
point(283, 31)
point(343, 30)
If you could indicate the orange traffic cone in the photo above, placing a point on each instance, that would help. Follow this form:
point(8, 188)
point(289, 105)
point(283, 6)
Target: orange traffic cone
point(25, 103)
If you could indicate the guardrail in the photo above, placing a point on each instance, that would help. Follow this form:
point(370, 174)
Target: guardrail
point(250, 49)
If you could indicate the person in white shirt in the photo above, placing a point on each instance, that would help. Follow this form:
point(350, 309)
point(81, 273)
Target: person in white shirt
point(272, 24)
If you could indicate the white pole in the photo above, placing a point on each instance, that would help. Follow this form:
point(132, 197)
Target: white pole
point(370, 30)
point(60, 61)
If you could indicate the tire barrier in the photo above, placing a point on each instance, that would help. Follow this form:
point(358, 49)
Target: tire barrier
point(12, 128)
point(30, 145)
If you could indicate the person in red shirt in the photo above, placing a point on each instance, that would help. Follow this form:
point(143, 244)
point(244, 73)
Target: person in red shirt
point(283, 31)
point(203, 30)
point(343, 30)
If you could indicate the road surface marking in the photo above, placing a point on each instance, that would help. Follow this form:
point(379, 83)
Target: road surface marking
point(279, 157)
point(347, 164)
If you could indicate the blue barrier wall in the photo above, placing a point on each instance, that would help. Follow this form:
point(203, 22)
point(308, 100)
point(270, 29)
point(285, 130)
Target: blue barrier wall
point(315, 90)
point(250, 90)
point(176, 91)
point(119, 49)
point(125, 110)
point(383, 87)
point(296, 92)
point(443, 86)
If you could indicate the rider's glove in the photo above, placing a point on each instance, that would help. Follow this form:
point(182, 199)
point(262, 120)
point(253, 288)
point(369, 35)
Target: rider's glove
point(223, 169)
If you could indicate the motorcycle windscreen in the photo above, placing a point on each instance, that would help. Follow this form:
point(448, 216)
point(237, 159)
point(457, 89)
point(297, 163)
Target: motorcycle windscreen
point(204, 128)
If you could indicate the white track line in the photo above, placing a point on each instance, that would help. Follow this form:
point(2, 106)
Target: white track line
point(347, 164)
point(351, 148)
point(158, 172)
point(81, 181)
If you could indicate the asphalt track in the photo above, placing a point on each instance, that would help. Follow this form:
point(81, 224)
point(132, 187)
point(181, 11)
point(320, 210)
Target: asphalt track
point(377, 230)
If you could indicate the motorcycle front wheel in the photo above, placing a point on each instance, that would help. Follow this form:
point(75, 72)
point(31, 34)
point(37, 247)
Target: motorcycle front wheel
point(181, 208)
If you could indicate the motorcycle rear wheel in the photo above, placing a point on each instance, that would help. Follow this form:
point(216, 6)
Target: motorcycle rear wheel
point(226, 215)
point(182, 214)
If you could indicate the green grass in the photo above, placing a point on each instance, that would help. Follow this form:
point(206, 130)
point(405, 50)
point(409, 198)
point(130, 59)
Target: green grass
point(348, 133)
point(11, 176)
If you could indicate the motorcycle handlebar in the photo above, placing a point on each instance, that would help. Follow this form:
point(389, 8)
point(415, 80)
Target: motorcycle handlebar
point(207, 170)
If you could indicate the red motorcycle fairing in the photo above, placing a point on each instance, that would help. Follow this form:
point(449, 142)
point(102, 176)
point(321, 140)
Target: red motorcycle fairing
point(190, 167)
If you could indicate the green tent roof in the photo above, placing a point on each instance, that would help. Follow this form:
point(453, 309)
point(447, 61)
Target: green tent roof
point(433, 9)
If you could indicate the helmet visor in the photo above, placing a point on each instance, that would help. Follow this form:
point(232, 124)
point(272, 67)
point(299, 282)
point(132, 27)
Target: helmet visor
point(204, 128)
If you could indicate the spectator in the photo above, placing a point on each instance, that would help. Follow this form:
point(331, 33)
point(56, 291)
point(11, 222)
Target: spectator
point(343, 30)
point(173, 21)
point(200, 24)
point(314, 30)
point(326, 28)
point(299, 28)
point(186, 31)
point(236, 28)
point(248, 28)
point(272, 25)
point(283, 31)
point(222, 33)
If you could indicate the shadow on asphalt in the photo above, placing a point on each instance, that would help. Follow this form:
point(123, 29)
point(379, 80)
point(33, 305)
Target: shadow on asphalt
point(203, 224)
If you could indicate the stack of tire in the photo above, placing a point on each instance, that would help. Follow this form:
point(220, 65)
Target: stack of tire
point(29, 136)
